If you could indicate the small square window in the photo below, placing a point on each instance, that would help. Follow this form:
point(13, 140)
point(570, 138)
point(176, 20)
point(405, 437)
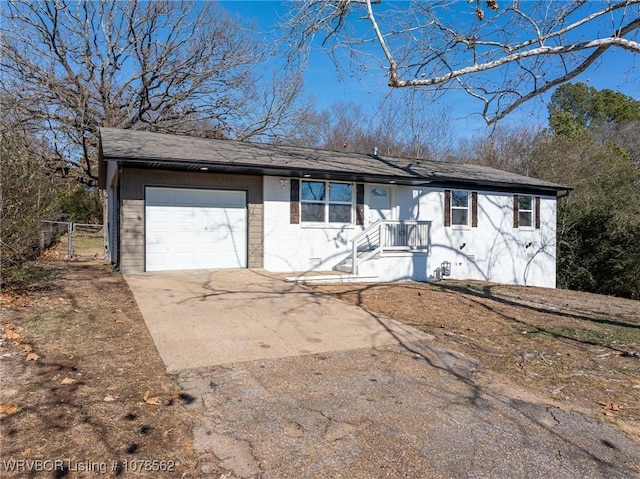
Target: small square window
point(340, 192)
point(460, 216)
point(339, 213)
point(459, 199)
point(525, 203)
point(312, 191)
point(312, 212)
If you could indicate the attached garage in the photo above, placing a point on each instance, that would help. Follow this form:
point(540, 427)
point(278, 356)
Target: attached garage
point(195, 228)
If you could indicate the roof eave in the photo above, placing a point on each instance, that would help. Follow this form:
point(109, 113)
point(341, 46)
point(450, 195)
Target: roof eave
point(292, 172)
point(237, 168)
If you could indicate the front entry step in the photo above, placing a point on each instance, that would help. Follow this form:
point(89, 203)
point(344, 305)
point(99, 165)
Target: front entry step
point(346, 264)
point(331, 277)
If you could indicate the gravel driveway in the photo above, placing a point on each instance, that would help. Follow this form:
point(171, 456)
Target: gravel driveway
point(408, 411)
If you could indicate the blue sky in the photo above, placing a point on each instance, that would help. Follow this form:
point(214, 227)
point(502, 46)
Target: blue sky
point(323, 82)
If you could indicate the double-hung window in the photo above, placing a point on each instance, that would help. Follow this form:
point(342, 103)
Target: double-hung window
point(525, 211)
point(460, 208)
point(326, 202)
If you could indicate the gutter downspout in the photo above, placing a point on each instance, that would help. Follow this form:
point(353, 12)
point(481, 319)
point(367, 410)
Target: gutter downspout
point(119, 219)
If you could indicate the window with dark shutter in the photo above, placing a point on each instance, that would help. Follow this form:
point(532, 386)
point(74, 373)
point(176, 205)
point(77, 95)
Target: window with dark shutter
point(525, 211)
point(537, 212)
point(516, 223)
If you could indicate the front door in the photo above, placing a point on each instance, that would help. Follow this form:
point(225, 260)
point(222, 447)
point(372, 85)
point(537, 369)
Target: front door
point(379, 203)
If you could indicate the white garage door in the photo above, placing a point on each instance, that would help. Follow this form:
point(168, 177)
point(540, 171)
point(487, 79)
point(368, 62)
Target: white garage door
point(195, 229)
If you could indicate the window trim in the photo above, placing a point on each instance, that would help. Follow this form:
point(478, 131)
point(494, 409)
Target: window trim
point(533, 211)
point(467, 208)
point(327, 202)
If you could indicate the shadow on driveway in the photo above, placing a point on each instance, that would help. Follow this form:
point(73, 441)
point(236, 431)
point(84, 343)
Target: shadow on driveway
point(207, 318)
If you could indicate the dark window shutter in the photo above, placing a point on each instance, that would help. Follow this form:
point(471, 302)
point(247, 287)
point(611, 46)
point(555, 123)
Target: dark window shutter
point(537, 212)
point(474, 209)
point(447, 207)
point(295, 202)
point(516, 220)
point(360, 203)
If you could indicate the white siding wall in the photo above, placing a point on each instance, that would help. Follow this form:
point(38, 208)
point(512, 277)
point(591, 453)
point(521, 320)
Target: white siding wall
point(298, 247)
point(494, 251)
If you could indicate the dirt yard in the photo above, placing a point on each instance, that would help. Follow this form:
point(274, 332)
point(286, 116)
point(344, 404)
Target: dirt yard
point(83, 388)
point(575, 350)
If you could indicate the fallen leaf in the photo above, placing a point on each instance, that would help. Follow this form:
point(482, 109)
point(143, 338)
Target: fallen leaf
point(9, 408)
point(176, 394)
point(26, 452)
point(154, 401)
point(32, 357)
point(610, 405)
point(109, 399)
point(68, 381)
point(27, 348)
point(11, 335)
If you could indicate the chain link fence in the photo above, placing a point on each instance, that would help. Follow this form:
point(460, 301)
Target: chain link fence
point(70, 240)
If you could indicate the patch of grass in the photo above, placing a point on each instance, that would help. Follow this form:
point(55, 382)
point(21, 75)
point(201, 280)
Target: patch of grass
point(27, 276)
point(609, 337)
point(88, 242)
point(626, 371)
point(49, 325)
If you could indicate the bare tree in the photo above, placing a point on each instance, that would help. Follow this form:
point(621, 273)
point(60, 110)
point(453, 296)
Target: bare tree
point(169, 66)
point(401, 125)
point(507, 148)
point(28, 194)
point(500, 54)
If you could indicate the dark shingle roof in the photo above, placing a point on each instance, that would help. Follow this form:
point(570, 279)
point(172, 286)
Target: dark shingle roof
point(158, 150)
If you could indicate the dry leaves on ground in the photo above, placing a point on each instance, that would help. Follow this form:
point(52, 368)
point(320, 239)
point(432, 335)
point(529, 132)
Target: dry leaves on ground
point(32, 357)
point(152, 401)
point(8, 408)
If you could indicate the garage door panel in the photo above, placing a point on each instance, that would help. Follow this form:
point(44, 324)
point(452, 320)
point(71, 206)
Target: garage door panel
point(176, 197)
point(195, 229)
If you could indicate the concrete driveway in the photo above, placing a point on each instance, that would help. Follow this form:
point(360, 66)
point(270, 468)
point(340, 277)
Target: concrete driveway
point(208, 318)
